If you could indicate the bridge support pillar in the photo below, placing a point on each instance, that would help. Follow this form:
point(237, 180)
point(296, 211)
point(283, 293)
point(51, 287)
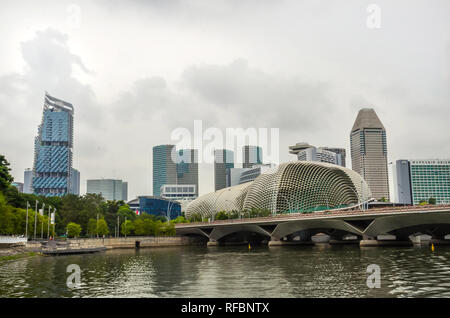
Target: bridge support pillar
point(212, 243)
point(277, 242)
point(384, 240)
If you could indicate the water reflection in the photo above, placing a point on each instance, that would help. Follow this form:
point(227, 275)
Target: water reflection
point(292, 271)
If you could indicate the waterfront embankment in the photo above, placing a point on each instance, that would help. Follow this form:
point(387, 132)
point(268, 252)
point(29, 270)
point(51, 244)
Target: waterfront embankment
point(89, 245)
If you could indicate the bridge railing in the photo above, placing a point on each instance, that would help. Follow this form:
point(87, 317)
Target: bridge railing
point(327, 213)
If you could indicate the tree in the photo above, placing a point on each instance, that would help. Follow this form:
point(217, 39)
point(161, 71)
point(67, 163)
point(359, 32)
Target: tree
point(92, 227)
point(127, 227)
point(431, 201)
point(222, 215)
point(73, 229)
point(423, 202)
point(5, 176)
point(180, 219)
point(125, 211)
point(102, 227)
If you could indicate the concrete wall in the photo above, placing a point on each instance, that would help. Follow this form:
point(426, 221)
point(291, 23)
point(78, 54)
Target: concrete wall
point(122, 242)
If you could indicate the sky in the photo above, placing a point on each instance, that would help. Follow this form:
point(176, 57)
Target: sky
point(137, 70)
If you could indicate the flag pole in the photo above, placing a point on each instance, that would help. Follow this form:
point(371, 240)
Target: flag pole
point(35, 218)
point(26, 223)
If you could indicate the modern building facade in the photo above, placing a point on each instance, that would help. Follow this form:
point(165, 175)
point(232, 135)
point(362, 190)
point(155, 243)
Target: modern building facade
point(181, 169)
point(298, 186)
point(420, 180)
point(339, 151)
point(402, 182)
point(178, 191)
point(110, 189)
point(164, 168)
point(369, 152)
point(306, 152)
point(237, 176)
point(54, 149)
point(159, 206)
point(28, 181)
point(75, 175)
point(124, 191)
point(251, 155)
point(223, 160)
point(187, 168)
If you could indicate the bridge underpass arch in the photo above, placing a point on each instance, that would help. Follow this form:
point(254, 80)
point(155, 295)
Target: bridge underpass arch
point(400, 224)
point(285, 229)
point(222, 232)
point(436, 231)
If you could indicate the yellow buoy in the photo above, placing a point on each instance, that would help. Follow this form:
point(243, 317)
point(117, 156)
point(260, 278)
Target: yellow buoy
point(249, 247)
point(432, 247)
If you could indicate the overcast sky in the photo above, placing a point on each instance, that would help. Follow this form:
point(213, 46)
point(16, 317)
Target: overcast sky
point(136, 70)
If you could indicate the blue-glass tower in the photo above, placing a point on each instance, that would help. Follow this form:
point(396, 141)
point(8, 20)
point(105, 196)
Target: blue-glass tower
point(184, 170)
point(52, 171)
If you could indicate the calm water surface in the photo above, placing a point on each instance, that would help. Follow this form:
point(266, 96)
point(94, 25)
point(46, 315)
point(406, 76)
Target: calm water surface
point(291, 271)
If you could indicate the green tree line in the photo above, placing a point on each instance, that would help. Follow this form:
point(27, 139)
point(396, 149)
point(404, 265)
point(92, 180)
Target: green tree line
point(75, 215)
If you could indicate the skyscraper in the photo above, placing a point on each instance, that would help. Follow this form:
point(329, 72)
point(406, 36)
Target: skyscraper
point(166, 171)
point(306, 152)
point(110, 189)
point(28, 181)
point(251, 155)
point(53, 149)
point(339, 151)
point(164, 168)
point(223, 160)
point(75, 182)
point(402, 181)
point(369, 152)
point(187, 168)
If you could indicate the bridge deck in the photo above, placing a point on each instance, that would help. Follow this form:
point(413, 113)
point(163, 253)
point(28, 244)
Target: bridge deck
point(318, 215)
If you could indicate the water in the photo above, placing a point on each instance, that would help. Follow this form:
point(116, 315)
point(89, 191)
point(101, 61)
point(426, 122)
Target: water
point(290, 271)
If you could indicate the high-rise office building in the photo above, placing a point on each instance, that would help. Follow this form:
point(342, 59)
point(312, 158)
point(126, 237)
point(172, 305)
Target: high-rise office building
point(237, 176)
point(402, 182)
point(251, 155)
point(223, 160)
point(339, 151)
point(110, 189)
point(53, 149)
point(28, 181)
point(181, 169)
point(187, 167)
point(306, 152)
point(164, 168)
point(75, 182)
point(420, 180)
point(369, 152)
point(124, 191)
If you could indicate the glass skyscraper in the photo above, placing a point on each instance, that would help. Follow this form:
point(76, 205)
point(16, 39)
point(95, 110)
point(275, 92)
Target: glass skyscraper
point(52, 170)
point(223, 160)
point(251, 155)
point(110, 189)
point(184, 170)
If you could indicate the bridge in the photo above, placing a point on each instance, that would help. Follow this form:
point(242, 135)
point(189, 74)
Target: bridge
point(372, 227)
